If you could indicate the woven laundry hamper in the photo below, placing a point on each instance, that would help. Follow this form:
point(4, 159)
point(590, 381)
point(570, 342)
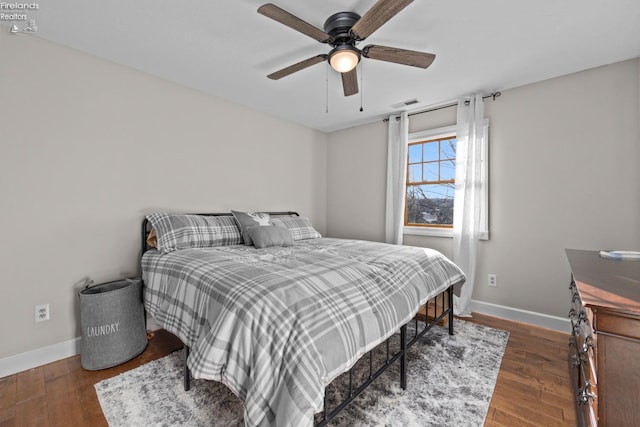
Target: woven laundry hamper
point(113, 323)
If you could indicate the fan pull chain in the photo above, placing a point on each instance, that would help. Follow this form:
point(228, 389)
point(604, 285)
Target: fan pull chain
point(361, 85)
point(326, 100)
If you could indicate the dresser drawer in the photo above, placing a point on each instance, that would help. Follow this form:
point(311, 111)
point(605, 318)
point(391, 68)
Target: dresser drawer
point(585, 392)
point(618, 381)
point(583, 360)
point(582, 356)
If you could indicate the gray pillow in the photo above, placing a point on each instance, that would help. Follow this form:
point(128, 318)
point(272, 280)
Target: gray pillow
point(299, 226)
point(265, 237)
point(182, 231)
point(246, 220)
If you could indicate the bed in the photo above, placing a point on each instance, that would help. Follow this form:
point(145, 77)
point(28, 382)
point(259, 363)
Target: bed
point(278, 319)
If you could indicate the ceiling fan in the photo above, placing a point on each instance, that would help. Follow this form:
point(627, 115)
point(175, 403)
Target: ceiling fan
point(343, 31)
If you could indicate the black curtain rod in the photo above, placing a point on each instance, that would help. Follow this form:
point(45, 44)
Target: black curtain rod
point(493, 95)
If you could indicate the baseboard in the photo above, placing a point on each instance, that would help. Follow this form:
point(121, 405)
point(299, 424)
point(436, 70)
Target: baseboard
point(38, 357)
point(41, 356)
point(524, 316)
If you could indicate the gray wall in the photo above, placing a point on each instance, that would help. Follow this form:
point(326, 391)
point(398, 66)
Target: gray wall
point(89, 147)
point(564, 157)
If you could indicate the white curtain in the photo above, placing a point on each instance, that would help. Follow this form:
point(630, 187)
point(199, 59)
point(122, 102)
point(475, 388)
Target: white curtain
point(466, 210)
point(396, 177)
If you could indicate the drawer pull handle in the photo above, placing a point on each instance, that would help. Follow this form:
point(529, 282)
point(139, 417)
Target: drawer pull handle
point(584, 395)
point(582, 317)
point(586, 345)
point(576, 326)
point(576, 360)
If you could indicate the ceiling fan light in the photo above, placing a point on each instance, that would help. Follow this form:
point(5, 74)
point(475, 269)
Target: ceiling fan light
point(344, 60)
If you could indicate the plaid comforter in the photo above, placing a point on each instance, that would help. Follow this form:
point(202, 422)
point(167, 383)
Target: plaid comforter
point(277, 325)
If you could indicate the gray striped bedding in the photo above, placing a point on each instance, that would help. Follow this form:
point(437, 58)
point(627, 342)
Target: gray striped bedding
point(277, 325)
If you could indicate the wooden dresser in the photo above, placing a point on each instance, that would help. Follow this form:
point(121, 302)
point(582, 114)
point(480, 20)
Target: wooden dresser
point(604, 349)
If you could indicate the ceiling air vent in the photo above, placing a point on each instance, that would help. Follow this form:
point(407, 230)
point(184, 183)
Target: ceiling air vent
point(405, 103)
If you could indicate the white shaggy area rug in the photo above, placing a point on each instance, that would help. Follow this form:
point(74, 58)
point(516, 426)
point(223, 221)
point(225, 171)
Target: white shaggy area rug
point(450, 383)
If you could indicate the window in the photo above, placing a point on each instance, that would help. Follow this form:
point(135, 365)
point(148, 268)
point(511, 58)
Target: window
point(430, 185)
point(431, 173)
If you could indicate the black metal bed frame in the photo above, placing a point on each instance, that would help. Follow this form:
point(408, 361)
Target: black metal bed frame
point(401, 354)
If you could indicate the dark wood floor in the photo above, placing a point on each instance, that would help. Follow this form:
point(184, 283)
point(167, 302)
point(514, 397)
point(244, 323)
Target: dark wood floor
point(533, 386)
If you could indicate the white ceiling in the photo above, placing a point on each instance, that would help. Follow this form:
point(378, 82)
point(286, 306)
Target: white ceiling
point(226, 49)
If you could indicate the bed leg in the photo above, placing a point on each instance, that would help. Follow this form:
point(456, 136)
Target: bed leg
point(403, 357)
point(450, 296)
point(187, 374)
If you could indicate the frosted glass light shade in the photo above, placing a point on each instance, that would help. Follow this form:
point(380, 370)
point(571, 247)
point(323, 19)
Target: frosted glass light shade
point(344, 60)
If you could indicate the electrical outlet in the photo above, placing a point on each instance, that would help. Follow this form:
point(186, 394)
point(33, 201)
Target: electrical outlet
point(493, 280)
point(42, 313)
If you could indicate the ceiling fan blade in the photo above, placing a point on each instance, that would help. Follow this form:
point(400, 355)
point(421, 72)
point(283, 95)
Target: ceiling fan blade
point(297, 67)
point(375, 17)
point(350, 82)
point(399, 56)
point(282, 16)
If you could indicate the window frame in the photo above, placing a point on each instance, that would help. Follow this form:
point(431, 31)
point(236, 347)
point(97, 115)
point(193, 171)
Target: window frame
point(447, 231)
